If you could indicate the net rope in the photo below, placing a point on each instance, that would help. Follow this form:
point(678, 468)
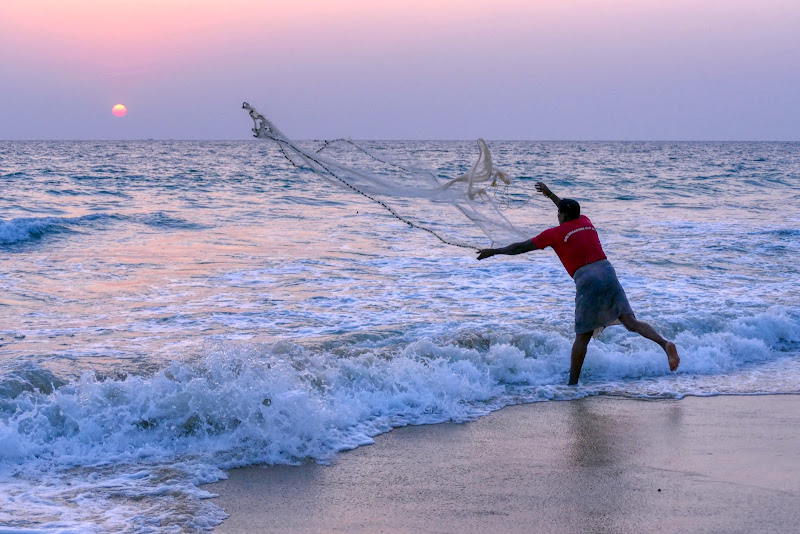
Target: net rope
point(419, 198)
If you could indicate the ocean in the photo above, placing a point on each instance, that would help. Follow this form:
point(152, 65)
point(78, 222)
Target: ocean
point(170, 310)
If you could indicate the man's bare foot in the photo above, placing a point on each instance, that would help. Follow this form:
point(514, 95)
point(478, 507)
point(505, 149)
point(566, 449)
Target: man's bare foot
point(672, 355)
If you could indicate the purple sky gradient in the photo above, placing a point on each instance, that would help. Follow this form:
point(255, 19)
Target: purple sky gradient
point(412, 69)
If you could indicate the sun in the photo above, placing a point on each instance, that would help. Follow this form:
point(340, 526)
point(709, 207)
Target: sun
point(119, 110)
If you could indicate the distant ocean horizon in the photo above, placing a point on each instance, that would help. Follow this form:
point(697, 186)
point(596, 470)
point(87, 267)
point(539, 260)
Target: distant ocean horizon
point(401, 140)
point(172, 309)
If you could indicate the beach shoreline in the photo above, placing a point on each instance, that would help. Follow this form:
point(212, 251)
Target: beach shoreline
point(700, 464)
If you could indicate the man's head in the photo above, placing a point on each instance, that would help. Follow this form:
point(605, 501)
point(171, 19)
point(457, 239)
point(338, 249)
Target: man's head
point(568, 210)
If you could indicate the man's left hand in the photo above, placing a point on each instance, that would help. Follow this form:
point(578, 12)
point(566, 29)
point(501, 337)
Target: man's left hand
point(485, 253)
point(543, 189)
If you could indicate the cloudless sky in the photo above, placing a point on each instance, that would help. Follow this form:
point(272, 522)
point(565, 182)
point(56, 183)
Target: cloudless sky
point(409, 69)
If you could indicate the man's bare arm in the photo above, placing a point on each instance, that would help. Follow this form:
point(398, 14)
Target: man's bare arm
point(516, 248)
point(543, 189)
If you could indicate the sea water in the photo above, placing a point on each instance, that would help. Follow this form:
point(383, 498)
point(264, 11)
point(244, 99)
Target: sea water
point(169, 310)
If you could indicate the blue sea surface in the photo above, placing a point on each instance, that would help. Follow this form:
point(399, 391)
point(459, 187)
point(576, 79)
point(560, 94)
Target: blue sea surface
point(169, 310)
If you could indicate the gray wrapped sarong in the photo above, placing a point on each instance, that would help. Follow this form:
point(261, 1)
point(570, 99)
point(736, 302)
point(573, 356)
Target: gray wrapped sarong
point(599, 298)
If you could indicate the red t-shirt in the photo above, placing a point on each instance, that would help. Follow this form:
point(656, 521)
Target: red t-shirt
point(576, 243)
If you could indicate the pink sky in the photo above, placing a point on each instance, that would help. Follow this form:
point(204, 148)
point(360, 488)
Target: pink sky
point(509, 69)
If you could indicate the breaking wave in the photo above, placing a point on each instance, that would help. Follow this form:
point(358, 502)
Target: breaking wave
point(281, 403)
point(28, 228)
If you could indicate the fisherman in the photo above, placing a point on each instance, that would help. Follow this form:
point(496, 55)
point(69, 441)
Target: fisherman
point(600, 300)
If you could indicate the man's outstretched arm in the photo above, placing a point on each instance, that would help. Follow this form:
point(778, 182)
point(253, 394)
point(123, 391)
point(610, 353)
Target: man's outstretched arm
point(543, 189)
point(516, 248)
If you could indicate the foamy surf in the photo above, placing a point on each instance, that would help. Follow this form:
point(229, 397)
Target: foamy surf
point(153, 439)
point(224, 308)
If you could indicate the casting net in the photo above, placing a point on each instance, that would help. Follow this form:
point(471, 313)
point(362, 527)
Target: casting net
point(471, 210)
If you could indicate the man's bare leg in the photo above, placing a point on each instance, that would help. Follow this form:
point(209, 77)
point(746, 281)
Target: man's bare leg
point(645, 330)
point(578, 355)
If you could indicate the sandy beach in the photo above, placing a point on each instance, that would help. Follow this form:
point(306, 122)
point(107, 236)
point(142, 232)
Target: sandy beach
point(719, 464)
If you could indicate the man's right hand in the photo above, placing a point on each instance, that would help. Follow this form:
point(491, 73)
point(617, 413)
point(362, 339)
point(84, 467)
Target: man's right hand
point(485, 253)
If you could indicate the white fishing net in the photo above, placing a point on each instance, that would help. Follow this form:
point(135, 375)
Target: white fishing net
point(468, 211)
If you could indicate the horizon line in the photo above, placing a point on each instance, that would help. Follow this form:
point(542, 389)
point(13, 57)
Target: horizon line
point(319, 139)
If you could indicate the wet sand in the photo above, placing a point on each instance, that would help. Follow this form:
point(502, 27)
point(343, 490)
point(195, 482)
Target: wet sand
point(604, 465)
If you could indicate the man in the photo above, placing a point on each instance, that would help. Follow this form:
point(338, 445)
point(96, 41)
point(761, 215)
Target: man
point(600, 300)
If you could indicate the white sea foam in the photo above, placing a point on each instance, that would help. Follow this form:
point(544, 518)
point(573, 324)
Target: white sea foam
point(366, 324)
point(155, 438)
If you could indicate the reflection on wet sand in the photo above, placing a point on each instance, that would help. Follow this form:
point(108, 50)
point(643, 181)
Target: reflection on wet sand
point(596, 465)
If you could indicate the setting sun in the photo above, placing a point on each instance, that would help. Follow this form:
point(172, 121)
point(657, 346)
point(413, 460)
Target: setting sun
point(119, 110)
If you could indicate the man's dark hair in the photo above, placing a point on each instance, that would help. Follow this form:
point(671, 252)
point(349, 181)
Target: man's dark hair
point(570, 208)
